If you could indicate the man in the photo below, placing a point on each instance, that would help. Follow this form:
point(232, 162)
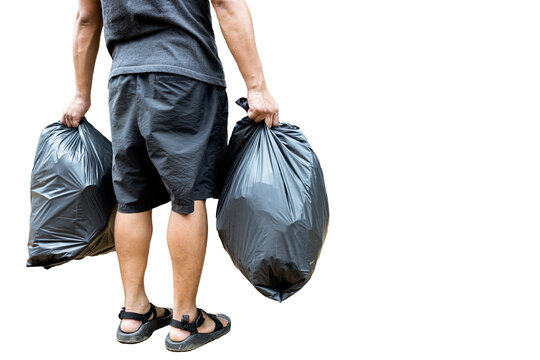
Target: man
point(168, 113)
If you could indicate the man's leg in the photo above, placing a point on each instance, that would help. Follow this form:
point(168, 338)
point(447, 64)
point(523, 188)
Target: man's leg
point(186, 237)
point(132, 234)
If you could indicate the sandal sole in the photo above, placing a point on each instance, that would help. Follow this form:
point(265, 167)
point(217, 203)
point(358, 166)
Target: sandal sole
point(144, 331)
point(195, 341)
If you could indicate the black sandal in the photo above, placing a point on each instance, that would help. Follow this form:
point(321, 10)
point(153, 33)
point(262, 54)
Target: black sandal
point(196, 339)
point(147, 327)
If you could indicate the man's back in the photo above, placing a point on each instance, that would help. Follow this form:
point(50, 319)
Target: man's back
point(162, 36)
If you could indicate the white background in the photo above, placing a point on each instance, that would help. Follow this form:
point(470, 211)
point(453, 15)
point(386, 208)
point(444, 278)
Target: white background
point(425, 117)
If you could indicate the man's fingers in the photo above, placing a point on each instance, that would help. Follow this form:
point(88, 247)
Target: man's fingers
point(268, 121)
point(276, 119)
point(255, 115)
point(251, 114)
point(260, 117)
point(270, 118)
point(69, 120)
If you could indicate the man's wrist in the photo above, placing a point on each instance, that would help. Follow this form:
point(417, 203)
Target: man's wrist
point(82, 96)
point(255, 83)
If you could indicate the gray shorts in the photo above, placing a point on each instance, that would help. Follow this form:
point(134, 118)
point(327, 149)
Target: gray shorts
point(168, 134)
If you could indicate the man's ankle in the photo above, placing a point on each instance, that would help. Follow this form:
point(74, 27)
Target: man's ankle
point(190, 311)
point(139, 303)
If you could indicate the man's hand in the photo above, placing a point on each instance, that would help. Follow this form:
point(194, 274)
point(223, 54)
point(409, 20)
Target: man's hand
point(74, 111)
point(263, 107)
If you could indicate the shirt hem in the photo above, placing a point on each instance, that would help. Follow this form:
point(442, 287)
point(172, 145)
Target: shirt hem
point(169, 69)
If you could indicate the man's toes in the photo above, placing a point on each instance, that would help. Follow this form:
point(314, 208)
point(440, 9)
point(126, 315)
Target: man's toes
point(223, 321)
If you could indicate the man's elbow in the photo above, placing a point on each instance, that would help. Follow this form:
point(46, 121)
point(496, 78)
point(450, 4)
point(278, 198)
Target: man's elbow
point(89, 19)
point(226, 3)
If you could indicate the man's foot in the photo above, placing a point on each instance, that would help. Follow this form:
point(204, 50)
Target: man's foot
point(207, 327)
point(130, 325)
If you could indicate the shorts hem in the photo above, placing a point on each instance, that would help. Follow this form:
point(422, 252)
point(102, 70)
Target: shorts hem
point(183, 209)
point(130, 209)
point(203, 195)
point(188, 209)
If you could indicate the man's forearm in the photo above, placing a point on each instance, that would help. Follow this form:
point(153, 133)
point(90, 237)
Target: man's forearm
point(237, 28)
point(86, 37)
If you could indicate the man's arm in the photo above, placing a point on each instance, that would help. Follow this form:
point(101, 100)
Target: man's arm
point(86, 35)
point(237, 28)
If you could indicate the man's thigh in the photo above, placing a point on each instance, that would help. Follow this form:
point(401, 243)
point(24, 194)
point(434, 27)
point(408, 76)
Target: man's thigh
point(184, 124)
point(136, 181)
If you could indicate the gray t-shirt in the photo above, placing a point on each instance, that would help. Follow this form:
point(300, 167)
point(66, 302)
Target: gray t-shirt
point(174, 36)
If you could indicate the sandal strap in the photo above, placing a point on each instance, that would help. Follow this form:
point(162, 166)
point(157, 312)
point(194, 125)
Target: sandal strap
point(216, 321)
point(185, 325)
point(136, 316)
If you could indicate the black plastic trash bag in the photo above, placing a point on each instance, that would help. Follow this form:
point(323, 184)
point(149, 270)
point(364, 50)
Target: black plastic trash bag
point(73, 202)
point(272, 215)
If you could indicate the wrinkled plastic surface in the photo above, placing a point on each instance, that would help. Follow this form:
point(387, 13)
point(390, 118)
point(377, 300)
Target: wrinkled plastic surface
point(272, 215)
point(72, 196)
